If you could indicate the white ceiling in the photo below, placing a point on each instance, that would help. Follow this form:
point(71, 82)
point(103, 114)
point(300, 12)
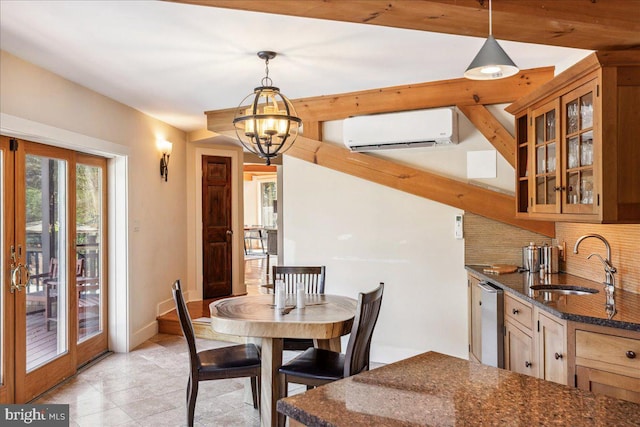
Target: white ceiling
point(175, 61)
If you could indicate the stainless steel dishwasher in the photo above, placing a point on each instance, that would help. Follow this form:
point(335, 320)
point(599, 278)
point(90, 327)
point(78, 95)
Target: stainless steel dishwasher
point(492, 308)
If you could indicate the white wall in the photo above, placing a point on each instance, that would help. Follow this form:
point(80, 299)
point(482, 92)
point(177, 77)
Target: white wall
point(251, 189)
point(152, 211)
point(367, 233)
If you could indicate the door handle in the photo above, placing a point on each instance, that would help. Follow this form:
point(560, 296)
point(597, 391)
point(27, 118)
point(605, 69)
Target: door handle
point(229, 232)
point(16, 277)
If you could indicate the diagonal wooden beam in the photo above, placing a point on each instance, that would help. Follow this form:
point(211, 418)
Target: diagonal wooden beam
point(594, 25)
point(492, 129)
point(471, 198)
point(406, 97)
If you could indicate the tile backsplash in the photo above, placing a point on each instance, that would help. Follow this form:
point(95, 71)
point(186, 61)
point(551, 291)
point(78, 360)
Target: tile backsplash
point(624, 240)
point(491, 242)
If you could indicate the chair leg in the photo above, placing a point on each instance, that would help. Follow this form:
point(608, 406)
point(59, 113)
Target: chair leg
point(192, 394)
point(284, 392)
point(255, 390)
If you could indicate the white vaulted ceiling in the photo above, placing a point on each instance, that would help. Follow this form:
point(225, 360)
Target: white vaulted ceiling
point(174, 61)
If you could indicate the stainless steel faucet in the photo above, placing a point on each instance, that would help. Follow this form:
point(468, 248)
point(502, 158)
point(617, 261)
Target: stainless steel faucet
point(610, 270)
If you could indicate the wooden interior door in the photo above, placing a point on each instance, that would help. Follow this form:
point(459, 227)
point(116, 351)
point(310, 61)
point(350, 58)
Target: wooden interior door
point(216, 227)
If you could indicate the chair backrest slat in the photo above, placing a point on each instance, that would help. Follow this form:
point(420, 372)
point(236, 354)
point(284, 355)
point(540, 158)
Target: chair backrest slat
point(185, 324)
point(312, 277)
point(358, 348)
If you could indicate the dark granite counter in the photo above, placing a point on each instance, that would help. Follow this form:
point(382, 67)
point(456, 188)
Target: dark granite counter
point(579, 308)
point(433, 389)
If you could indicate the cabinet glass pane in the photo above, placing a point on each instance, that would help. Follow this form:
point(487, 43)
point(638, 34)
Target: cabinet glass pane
point(539, 130)
point(573, 178)
point(551, 192)
point(572, 117)
point(586, 111)
point(540, 190)
point(551, 125)
point(540, 160)
point(551, 157)
point(586, 151)
point(572, 152)
point(586, 188)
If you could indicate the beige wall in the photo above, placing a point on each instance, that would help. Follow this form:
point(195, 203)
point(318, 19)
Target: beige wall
point(155, 232)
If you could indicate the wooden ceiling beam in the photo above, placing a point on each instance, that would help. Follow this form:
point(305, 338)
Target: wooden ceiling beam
point(451, 192)
point(595, 25)
point(493, 130)
point(404, 98)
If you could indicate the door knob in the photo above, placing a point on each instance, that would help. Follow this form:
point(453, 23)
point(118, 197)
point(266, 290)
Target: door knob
point(229, 232)
point(558, 356)
point(527, 364)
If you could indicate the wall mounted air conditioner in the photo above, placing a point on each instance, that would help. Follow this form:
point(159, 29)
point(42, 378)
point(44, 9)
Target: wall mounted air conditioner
point(420, 128)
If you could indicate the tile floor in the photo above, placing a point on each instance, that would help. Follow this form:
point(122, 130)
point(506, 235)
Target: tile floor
point(147, 387)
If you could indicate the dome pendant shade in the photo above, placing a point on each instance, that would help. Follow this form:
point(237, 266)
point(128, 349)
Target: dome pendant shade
point(491, 62)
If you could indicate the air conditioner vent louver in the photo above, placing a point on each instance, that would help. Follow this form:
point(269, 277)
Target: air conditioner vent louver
point(421, 128)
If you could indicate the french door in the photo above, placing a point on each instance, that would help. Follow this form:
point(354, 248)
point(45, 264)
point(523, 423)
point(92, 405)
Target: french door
point(53, 254)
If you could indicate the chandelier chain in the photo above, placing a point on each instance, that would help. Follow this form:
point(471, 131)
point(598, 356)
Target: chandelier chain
point(266, 80)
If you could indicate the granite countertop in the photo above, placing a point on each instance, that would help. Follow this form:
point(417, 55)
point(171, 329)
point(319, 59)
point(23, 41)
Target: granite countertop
point(579, 308)
point(434, 389)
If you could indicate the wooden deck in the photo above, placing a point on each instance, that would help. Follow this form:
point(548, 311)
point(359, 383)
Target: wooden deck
point(41, 344)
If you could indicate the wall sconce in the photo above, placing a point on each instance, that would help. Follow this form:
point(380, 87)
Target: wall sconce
point(165, 148)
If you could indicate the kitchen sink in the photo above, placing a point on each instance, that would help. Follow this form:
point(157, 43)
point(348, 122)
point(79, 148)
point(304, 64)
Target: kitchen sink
point(565, 289)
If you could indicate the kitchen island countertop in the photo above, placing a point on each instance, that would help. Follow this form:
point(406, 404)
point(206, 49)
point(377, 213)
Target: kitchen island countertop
point(433, 389)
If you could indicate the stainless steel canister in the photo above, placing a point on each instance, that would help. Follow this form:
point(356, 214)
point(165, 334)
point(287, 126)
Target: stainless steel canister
point(549, 258)
point(531, 258)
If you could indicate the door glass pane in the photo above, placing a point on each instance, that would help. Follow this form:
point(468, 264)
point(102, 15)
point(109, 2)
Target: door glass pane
point(540, 130)
point(586, 188)
point(46, 231)
point(572, 188)
point(551, 157)
point(586, 111)
point(572, 117)
point(572, 155)
point(89, 249)
point(586, 149)
point(551, 189)
point(551, 125)
point(540, 190)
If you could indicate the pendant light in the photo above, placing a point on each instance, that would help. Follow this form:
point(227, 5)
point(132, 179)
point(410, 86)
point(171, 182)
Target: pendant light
point(266, 122)
point(491, 62)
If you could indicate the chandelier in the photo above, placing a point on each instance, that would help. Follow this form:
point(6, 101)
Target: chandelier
point(266, 122)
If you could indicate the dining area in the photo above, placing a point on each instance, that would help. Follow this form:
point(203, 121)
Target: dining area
point(293, 313)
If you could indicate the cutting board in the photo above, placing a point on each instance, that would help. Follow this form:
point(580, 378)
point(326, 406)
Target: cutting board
point(500, 269)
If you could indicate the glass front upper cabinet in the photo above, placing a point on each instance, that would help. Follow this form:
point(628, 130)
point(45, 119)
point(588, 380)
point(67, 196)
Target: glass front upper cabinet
point(545, 197)
point(578, 108)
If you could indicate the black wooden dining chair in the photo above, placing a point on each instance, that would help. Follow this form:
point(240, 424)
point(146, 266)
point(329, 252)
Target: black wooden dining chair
point(313, 279)
point(237, 361)
point(315, 366)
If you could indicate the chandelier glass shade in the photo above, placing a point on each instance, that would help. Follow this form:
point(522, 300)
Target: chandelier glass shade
point(265, 121)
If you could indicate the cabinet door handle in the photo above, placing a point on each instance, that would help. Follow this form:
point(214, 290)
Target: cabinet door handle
point(558, 356)
point(515, 311)
point(631, 354)
point(527, 364)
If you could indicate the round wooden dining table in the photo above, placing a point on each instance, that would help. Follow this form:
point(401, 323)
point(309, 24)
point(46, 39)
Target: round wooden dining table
point(325, 318)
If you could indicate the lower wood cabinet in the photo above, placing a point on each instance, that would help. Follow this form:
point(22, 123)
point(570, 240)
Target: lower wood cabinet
point(605, 360)
point(518, 350)
point(552, 348)
point(535, 342)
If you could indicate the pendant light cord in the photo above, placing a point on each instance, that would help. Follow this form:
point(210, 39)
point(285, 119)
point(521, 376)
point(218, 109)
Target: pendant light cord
point(490, 21)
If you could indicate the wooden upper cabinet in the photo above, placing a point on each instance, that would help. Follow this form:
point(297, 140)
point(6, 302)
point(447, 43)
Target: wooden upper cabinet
point(578, 152)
